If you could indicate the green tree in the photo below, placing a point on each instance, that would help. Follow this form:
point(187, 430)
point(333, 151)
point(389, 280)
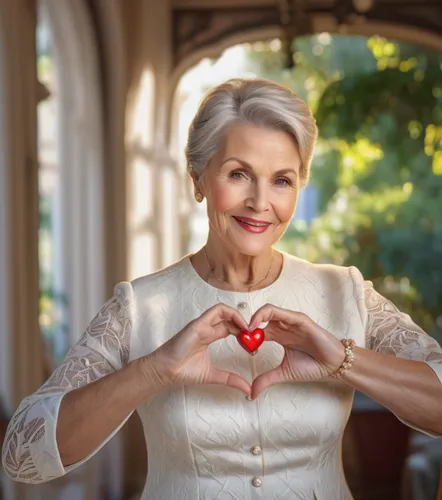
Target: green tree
point(378, 165)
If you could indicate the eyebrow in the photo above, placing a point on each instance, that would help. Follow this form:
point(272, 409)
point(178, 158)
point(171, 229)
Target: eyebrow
point(249, 167)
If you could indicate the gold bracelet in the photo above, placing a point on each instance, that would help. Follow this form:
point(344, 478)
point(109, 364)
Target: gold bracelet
point(349, 344)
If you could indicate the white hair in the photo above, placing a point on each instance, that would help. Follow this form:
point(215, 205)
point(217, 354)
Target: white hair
point(253, 101)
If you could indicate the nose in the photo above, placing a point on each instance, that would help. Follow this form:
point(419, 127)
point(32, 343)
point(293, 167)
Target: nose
point(258, 198)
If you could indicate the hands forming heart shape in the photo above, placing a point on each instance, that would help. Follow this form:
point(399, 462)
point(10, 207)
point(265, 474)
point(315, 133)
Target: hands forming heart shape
point(310, 352)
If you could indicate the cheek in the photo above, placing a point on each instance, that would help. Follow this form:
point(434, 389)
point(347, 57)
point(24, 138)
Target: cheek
point(223, 198)
point(285, 206)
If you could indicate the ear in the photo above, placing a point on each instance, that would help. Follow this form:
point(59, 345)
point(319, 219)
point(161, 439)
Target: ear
point(194, 175)
point(196, 179)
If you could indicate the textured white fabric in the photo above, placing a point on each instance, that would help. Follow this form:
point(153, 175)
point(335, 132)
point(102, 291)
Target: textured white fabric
point(200, 438)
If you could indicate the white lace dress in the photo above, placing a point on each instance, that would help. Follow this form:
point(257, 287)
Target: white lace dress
point(210, 442)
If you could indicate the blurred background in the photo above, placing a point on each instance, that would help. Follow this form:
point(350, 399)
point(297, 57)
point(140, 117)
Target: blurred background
point(95, 100)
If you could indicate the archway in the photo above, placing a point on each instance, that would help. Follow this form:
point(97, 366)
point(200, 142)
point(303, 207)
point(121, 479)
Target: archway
point(415, 133)
point(79, 246)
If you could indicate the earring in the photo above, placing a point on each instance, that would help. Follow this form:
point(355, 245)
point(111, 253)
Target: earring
point(199, 197)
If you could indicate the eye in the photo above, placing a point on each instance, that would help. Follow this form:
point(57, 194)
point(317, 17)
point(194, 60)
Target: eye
point(234, 174)
point(285, 182)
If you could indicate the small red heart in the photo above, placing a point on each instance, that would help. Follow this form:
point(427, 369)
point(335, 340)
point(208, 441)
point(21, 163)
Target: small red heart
point(250, 341)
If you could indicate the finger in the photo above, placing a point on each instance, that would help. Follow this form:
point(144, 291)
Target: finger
point(223, 377)
point(233, 328)
point(270, 312)
point(274, 330)
point(224, 329)
point(222, 312)
point(266, 380)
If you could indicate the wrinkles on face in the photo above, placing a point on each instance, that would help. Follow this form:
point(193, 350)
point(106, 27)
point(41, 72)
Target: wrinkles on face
point(254, 174)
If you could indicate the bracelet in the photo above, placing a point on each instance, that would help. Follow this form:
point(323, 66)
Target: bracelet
point(349, 344)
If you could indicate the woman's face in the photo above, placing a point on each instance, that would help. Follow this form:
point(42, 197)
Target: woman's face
point(255, 174)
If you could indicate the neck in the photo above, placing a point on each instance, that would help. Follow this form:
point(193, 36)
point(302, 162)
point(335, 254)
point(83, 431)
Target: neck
point(235, 268)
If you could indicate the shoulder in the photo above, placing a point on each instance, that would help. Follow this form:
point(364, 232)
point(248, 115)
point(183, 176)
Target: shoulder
point(323, 272)
point(330, 280)
point(342, 288)
point(165, 280)
point(132, 299)
point(327, 287)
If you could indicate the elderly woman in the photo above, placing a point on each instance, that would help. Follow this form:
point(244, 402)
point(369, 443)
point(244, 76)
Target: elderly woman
point(225, 413)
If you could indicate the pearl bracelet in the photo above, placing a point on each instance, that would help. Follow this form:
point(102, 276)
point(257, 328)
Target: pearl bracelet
point(349, 344)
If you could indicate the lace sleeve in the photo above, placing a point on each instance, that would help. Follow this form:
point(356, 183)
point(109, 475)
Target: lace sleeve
point(391, 331)
point(30, 453)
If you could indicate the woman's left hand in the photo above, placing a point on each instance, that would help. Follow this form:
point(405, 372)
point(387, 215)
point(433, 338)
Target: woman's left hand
point(311, 353)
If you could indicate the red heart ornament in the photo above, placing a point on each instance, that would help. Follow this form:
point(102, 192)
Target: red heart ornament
point(250, 341)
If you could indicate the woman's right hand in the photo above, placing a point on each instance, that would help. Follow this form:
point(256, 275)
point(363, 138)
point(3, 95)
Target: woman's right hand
point(184, 358)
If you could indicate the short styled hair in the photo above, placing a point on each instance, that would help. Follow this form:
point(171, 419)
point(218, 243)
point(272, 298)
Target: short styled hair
point(254, 101)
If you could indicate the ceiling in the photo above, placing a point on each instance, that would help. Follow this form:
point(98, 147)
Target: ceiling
point(201, 25)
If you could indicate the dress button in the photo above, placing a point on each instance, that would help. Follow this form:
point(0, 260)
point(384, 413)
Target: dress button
point(256, 450)
point(257, 482)
point(242, 305)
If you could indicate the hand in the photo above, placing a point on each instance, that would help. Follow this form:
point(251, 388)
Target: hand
point(184, 359)
point(311, 353)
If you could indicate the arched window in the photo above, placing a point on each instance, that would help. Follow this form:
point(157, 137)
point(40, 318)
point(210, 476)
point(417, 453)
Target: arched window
point(71, 183)
point(71, 174)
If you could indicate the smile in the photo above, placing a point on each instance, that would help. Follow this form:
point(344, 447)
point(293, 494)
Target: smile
point(252, 227)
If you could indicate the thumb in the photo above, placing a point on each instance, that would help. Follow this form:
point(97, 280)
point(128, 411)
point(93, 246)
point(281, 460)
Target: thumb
point(266, 380)
point(224, 377)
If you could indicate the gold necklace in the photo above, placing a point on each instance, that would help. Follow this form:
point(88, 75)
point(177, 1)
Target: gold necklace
point(224, 281)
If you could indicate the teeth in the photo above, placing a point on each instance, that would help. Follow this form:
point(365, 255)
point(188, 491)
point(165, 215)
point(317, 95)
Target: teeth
point(252, 223)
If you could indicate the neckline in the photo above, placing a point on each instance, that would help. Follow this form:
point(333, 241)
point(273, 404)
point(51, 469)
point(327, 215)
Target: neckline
point(215, 289)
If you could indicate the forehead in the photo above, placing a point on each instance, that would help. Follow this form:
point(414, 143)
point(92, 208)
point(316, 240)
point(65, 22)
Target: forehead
point(254, 144)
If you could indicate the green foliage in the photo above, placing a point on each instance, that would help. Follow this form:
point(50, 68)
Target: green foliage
point(378, 164)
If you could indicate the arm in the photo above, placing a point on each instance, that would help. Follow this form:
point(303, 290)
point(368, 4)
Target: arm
point(401, 367)
point(96, 410)
point(84, 402)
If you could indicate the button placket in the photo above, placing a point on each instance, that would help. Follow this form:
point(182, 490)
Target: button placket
point(243, 306)
point(244, 309)
point(257, 482)
point(256, 450)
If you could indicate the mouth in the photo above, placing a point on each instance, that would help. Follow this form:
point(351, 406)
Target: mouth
point(253, 227)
